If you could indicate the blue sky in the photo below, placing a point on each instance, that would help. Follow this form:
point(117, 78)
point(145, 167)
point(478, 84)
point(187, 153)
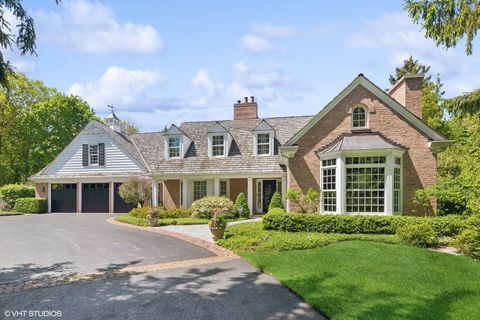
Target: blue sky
point(163, 62)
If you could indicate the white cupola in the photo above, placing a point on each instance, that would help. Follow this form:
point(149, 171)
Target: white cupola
point(113, 122)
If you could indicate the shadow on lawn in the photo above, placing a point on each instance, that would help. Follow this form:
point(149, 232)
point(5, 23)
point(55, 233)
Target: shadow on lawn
point(350, 301)
point(198, 293)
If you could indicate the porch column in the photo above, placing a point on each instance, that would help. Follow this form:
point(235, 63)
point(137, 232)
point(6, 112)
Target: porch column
point(111, 195)
point(389, 186)
point(284, 188)
point(250, 194)
point(216, 187)
point(185, 193)
point(154, 193)
point(49, 197)
point(79, 197)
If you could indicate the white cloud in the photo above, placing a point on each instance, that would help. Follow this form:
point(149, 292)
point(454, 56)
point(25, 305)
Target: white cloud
point(91, 27)
point(270, 30)
point(256, 44)
point(128, 89)
point(202, 80)
point(396, 37)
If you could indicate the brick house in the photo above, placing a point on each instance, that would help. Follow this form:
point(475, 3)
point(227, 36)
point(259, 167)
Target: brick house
point(367, 151)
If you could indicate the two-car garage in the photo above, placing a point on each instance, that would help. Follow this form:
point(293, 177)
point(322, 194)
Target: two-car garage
point(94, 197)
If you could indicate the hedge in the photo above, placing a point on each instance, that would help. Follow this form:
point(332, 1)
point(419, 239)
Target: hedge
point(331, 223)
point(31, 205)
point(11, 192)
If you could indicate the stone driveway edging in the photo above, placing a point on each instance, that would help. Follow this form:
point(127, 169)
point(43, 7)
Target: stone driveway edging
point(221, 254)
point(212, 247)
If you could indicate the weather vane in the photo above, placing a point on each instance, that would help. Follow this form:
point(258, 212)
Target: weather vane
point(111, 106)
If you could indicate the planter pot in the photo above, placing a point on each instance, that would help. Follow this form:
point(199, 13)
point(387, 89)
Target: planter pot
point(217, 233)
point(153, 222)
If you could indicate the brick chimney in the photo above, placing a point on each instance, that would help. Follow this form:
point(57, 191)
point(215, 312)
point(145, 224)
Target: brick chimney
point(245, 110)
point(408, 91)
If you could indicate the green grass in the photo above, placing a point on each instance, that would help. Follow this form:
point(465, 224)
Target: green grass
point(181, 221)
point(367, 280)
point(125, 218)
point(252, 236)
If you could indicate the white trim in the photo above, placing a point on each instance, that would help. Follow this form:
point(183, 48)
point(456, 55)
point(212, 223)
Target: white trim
point(184, 186)
point(111, 197)
point(49, 197)
point(260, 192)
point(226, 144)
point(216, 187)
point(79, 198)
point(382, 95)
point(367, 117)
point(154, 193)
point(271, 136)
point(225, 175)
point(250, 194)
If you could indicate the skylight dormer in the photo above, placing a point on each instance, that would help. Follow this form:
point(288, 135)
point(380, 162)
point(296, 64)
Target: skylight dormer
point(219, 141)
point(176, 143)
point(263, 139)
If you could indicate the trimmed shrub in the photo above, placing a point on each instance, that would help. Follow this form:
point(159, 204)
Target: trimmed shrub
point(276, 211)
point(331, 223)
point(420, 235)
point(469, 242)
point(474, 220)
point(139, 213)
point(174, 213)
point(136, 191)
point(276, 201)
point(205, 207)
point(241, 206)
point(11, 192)
point(31, 205)
point(126, 218)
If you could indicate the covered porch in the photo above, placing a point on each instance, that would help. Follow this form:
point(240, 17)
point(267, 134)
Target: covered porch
point(182, 191)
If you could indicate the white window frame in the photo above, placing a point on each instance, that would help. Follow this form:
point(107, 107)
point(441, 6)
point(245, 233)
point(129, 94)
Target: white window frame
point(322, 191)
point(180, 147)
point(211, 137)
point(270, 143)
point(365, 109)
point(227, 194)
point(341, 171)
point(90, 154)
point(400, 190)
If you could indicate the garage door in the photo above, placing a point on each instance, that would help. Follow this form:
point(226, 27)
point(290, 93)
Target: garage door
point(95, 197)
point(64, 197)
point(119, 205)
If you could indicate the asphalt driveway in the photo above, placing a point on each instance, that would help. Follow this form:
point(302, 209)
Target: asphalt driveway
point(32, 246)
point(37, 246)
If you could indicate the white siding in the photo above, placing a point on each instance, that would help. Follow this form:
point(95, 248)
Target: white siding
point(116, 160)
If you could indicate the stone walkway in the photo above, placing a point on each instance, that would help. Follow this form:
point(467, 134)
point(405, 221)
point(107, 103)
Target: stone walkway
point(200, 231)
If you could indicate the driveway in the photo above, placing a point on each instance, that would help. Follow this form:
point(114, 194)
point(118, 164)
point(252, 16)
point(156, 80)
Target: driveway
point(34, 246)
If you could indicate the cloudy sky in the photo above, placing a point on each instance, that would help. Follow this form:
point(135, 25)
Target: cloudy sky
point(162, 62)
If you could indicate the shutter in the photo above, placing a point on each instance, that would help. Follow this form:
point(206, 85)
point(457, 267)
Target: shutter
point(85, 155)
point(101, 154)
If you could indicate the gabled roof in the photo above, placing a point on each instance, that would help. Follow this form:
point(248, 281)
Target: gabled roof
point(123, 140)
point(263, 126)
point(360, 141)
point(217, 128)
point(112, 115)
point(379, 93)
point(174, 130)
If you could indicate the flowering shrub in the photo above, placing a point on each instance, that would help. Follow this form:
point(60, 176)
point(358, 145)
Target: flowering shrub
point(205, 207)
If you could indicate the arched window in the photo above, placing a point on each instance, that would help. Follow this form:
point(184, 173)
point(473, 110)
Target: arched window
point(359, 117)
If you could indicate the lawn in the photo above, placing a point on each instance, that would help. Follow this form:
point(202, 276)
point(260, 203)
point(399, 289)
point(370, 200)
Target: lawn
point(9, 213)
point(352, 279)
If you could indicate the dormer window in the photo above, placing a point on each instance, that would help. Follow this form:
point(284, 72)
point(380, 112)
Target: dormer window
point(263, 144)
point(218, 145)
point(174, 147)
point(93, 154)
point(360, 118)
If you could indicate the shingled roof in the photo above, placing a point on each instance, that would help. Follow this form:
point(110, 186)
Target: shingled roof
point(240, 158)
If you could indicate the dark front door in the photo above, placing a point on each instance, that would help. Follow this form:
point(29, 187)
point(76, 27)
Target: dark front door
point(119, 205)
point(64, 197)
point(95, 197)
point(268, 189)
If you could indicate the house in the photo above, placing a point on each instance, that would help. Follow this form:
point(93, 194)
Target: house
point(367, 151)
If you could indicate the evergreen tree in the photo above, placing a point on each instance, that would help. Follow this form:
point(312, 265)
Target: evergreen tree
point(276, 201)
point(241, 206)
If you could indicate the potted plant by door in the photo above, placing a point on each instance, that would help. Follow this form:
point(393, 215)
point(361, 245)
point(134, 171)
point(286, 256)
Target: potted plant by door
point(217, 226)
point(152, 216)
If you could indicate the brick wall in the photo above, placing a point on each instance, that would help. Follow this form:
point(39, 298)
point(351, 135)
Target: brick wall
point(237, 186)
point(41, 190)
point(171, 193)
point(419, 163)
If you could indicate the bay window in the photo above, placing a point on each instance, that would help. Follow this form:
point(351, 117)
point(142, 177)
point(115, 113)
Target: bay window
point(329, 193)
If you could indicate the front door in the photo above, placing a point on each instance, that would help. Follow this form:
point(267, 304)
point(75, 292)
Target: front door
point(268, 189)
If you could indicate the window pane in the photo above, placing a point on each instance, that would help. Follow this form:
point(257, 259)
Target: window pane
point(365, 188)
point(218, 148)
point(199, 189)
point(329, 194)
point(93, 153)
point(359, 118)
point(174, 147)
point(223, 188)
point(263, 143)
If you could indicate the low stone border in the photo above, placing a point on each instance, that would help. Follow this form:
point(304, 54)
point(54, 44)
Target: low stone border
point(221, 254)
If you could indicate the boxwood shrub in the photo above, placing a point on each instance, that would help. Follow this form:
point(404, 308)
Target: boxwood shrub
point(139, 212)
point(332, 223)
point(205, 207)
point(31, 205)
point(9, 193)
point(174, 213)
